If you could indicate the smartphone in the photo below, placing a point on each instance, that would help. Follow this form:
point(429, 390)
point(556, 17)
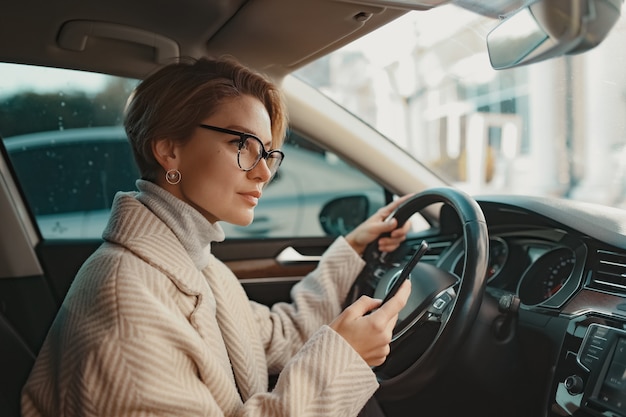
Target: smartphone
point(406, 271)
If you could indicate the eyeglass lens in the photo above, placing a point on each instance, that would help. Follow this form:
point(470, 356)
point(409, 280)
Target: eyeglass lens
point(251, 151)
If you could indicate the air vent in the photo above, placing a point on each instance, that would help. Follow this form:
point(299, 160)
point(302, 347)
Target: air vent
point(435, 250)
point(610, 272)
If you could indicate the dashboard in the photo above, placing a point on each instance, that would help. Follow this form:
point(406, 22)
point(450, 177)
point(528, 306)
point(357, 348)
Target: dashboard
point(566, 264)
point(542, 267)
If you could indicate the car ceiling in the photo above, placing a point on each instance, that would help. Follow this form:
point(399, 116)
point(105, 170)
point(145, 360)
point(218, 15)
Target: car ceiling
point(274, 36)
point(132, 38)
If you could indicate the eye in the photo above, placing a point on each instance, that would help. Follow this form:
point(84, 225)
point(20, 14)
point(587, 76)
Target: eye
point(246, 144)
point(251, 144)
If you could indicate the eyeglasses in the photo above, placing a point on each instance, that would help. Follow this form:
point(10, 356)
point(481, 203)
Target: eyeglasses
point(250, 150)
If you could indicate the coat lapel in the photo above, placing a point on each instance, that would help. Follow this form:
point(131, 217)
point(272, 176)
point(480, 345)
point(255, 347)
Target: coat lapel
point(222, 315)
point(237, 324)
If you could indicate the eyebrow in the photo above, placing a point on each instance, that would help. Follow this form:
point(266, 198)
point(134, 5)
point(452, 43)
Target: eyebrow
point(241, 129)
point(268, 145)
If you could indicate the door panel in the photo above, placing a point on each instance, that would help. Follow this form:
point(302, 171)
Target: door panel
point(266, 277)
point(256, 263)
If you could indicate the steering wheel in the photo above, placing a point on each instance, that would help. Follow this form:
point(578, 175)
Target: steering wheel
point(441, 308)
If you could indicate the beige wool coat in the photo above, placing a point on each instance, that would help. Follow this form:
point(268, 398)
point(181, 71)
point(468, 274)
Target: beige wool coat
point(144, 332)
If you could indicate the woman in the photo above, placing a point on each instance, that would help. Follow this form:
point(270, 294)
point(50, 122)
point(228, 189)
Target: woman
point(154, 324)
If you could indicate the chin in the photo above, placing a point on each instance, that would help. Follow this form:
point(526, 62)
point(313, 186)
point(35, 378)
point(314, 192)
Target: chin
point(242, 221)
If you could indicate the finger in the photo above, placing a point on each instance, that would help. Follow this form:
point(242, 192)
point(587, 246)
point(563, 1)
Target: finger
point(389, 245)
point(395, 238)
point(395, 203)
point(379, 227)
point(392, 307)
point(389, 225)
point(389, 208)
point(402, 230)
point(362, 306)
point(387, 211)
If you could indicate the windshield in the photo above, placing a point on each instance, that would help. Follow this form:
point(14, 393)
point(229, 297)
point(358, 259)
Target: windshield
point(554, 128)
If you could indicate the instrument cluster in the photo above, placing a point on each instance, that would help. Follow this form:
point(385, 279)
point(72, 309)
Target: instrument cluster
point(541, 271)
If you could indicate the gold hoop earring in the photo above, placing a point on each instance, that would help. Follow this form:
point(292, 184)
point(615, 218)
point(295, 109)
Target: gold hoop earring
point(173, 176)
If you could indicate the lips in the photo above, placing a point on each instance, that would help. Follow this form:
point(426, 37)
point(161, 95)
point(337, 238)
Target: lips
point(252, 196)
point(255, 194)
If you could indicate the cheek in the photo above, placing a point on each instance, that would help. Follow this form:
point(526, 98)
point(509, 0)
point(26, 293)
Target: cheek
point(198, 159)
point(208, 168)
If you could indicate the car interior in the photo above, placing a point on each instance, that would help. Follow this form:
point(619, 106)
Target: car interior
point(519, 304)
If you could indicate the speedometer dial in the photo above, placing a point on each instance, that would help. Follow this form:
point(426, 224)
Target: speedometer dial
point(546, 276)
point(498, 255)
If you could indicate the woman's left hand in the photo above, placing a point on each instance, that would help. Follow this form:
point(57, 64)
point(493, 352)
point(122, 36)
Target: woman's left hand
point(373, 227)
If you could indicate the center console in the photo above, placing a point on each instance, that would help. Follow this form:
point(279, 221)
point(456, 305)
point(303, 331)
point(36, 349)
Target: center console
point(590, 377)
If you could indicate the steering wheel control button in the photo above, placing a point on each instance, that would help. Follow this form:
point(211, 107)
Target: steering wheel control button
point(440, 303)
point(380, 272)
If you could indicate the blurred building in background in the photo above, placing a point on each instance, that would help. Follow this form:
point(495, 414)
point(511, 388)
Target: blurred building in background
point(426, 83)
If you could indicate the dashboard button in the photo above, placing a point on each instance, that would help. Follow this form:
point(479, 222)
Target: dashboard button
point(595, 344)
point(574, 384)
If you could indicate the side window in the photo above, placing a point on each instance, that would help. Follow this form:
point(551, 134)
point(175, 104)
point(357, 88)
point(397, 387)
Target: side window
point(70, 177)
point(87, 172)
point(62, 131)
point(71, 155)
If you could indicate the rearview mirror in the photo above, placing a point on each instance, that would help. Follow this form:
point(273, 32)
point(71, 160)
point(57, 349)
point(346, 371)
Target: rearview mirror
point(551, 28)
point(342, 215)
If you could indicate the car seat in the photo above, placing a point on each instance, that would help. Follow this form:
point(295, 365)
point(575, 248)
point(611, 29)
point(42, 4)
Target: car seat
point(16, 361)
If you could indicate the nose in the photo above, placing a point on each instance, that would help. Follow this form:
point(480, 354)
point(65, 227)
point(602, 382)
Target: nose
point(261, 171)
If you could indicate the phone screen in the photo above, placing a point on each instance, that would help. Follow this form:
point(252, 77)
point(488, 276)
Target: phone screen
point(406, 271)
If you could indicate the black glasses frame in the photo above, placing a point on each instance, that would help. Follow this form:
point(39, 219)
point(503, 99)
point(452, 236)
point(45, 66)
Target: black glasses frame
point(243, 137)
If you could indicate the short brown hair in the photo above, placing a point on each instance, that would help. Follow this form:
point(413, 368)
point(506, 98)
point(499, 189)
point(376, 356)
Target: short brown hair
point(171, 102)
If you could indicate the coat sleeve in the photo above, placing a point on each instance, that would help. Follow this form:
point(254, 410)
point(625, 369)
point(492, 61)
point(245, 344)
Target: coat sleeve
point(320, 373)
point(316, 301)
point(325, 378)
point(129, 343)
point(314, 384)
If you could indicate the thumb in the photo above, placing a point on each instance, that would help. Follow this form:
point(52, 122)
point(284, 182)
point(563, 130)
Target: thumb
point(397, 302)
point(363, 306)
point(389, 225)
point(384, 226)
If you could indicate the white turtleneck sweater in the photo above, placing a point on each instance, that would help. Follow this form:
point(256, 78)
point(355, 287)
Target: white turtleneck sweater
point(193, 231)
point(155, 325)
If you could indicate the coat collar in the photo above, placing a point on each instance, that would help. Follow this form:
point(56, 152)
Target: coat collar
point(191, 228)
point(135, 227)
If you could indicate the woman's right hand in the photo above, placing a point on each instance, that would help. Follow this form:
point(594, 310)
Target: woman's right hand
point(370, 334)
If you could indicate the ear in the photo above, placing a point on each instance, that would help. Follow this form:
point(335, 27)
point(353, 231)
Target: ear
point(164, 151)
